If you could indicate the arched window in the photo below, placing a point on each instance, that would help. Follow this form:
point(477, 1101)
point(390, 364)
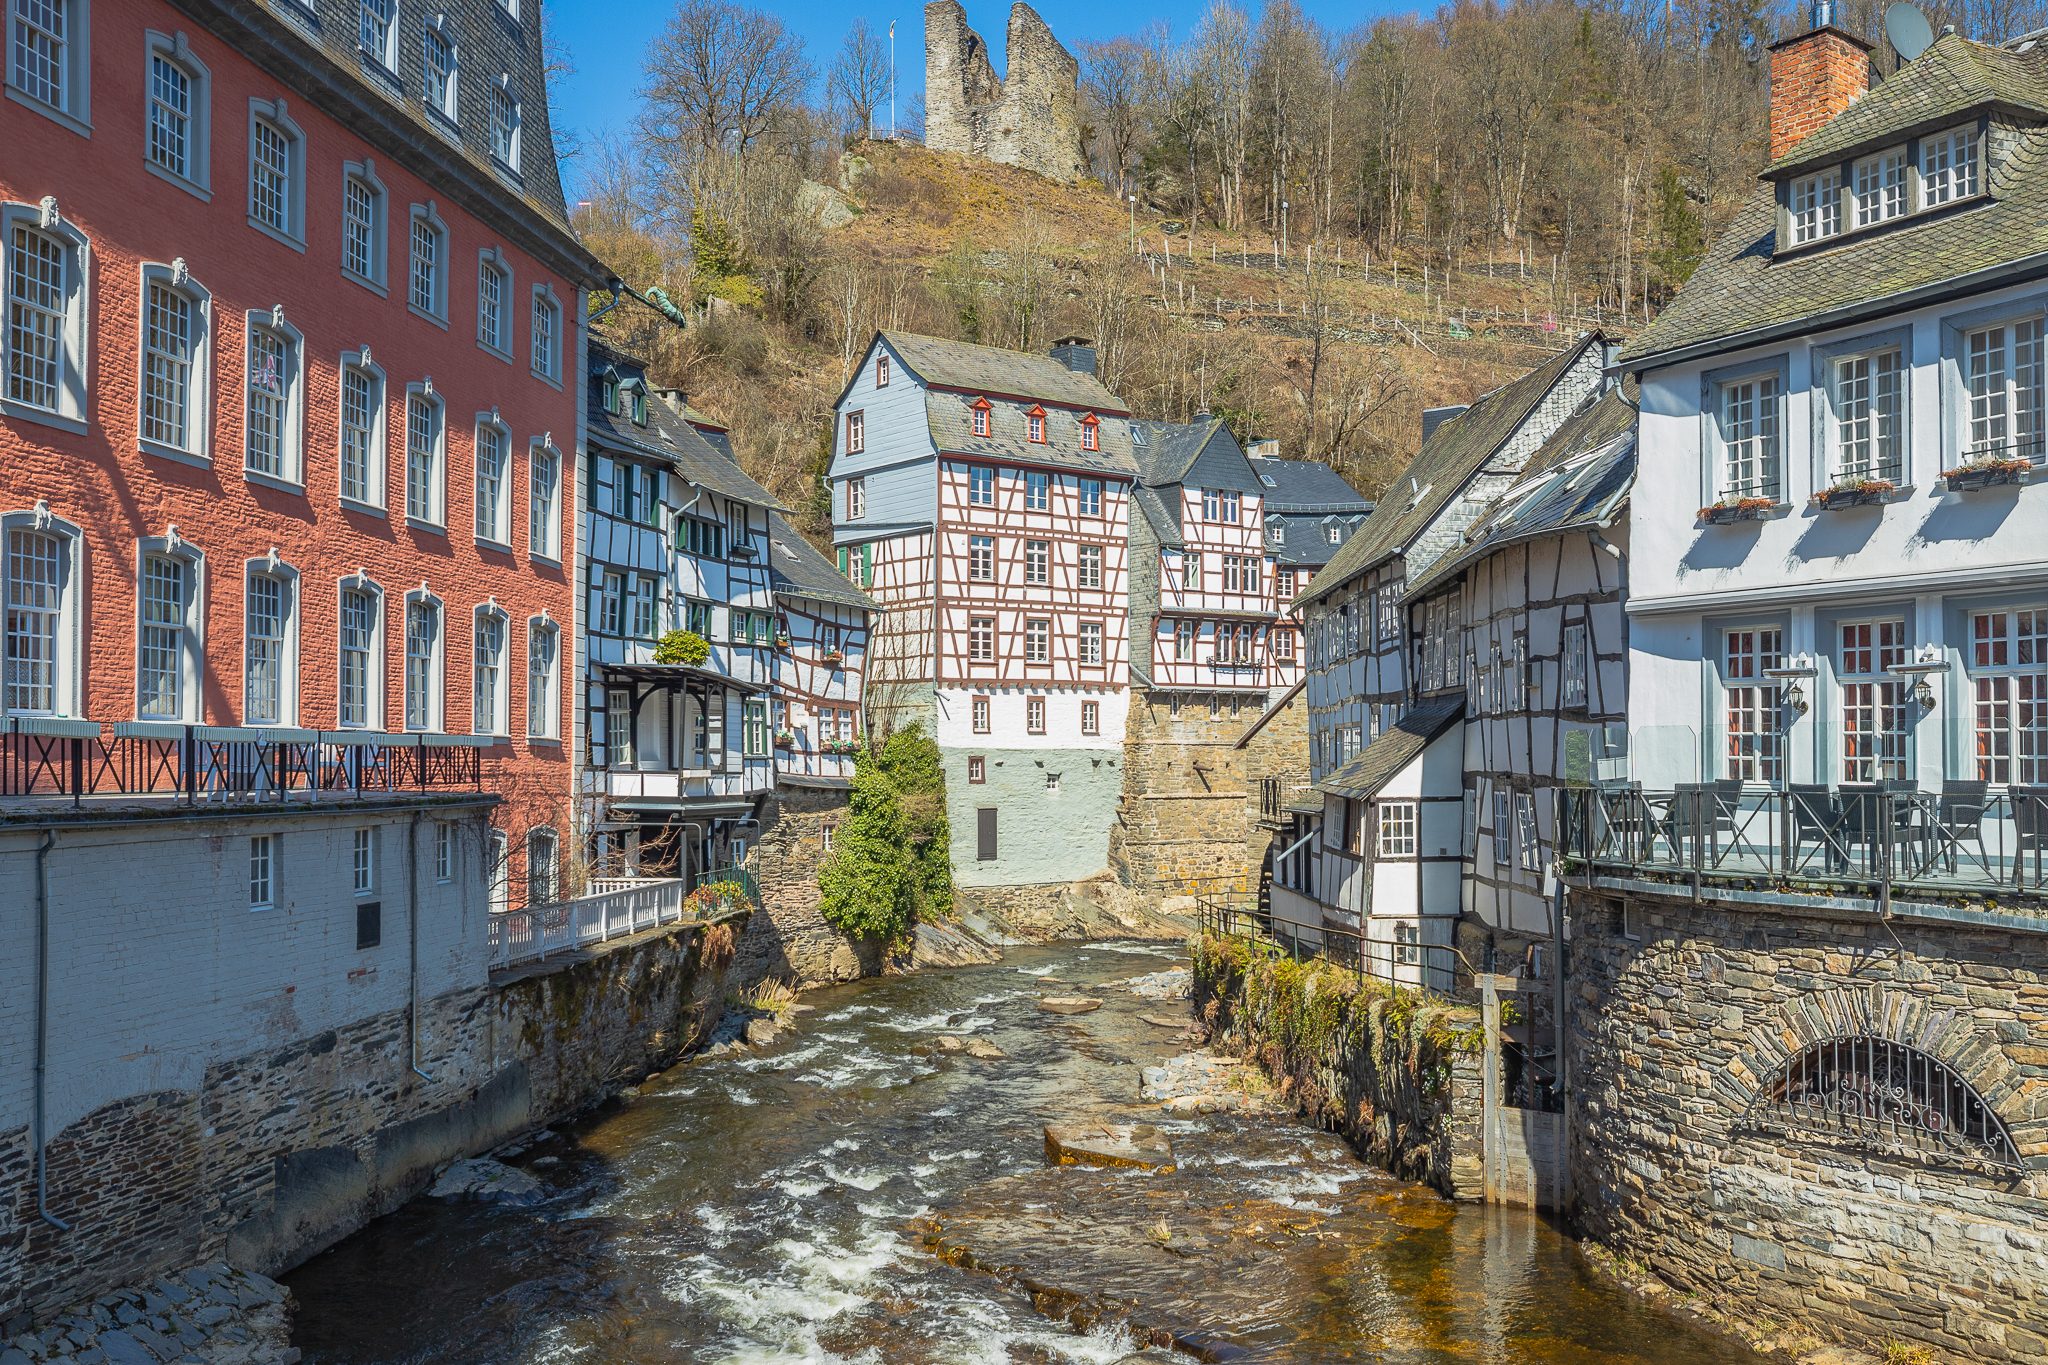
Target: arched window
point(423, 655)
point(42, 559)
point(359, 671)
point(1870, 1092)
point(487, 673)
point(169, 643)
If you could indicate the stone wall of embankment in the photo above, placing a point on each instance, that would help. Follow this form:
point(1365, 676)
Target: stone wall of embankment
point(1393, 1071)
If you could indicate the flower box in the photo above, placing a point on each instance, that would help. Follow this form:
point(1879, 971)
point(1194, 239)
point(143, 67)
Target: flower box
point(782, 643)
point(1987, 474)
point(1862, 493)
point(785, 740)
point(832, 656)
point(1742, 509)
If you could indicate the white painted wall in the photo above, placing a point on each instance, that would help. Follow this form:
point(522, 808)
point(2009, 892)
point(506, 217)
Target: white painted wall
point(1007, 719)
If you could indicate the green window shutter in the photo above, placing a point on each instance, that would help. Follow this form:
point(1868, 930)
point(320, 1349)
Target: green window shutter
point(842, 561)
point(867, 565)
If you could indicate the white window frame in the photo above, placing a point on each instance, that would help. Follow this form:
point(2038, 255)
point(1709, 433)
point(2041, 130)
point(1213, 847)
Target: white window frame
point(538, 839)
point(377, 278)
point(1768, 431)
point(1528, 838)
point(437, 311)
point(498, 532)
point(374, 670)
point(1088, 642)
point(1577, 665)
point(1503, 832)
point(500, 687)
point(1883, 187)
point(67, 692)
point(73, 105)
point(1398, 831)
point(287, 579)
point(543, 516)
point(1088, 566)
point(198, 435)
point(1034, 715)
point(291, 454)
point(2018, 408)
point(981, 485)
point(1946, 178)
point(1814, 206)
point(856, 432)
point(882, 370)
point(547, 308)
point(500, 96)
point(981, 639)
point(264, 850)
point(380, 47)
point(363, 861)
point(435, 508)
point(377, 444)
point(449, 106)
point(1858, 399)
point(292, 231)
point(2000, 691)
point(190, 708)
point(176, 49)
point(543, 702)
point(74, 334)
point(444, 852)
point(1038, 650)
point(1037, 562)
point(491, 264)
point(981, 559)
point(1757, 753)
point(1866, 698)
point(856, 499)
point(435, 677)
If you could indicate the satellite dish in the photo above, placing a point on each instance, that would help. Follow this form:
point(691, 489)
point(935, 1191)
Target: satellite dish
point(1907, 27)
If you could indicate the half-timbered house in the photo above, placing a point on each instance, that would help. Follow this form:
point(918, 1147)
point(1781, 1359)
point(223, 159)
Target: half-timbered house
point(821, 650)
point(1309, 513)
point(1386, 682)
point(982, 498)
point(677, 755)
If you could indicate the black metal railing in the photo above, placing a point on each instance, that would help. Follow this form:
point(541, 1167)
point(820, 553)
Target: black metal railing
point(1963, 839)
point(42, 760)
point(1389, 955)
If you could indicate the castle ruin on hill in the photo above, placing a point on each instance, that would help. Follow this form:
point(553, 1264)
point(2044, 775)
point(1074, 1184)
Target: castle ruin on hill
point(1029, 117)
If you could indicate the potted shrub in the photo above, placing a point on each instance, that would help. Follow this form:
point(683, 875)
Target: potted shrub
point(682, 647)
point(1736, 509)
point(1987, 470)
point(833, 656)
point(1856, 492)
point(782, 640)
point(784, 740)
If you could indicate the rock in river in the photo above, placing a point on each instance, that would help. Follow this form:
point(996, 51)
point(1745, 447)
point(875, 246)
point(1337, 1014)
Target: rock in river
point(482, 1178)
point(1068, 1004)
point(1108, 1144)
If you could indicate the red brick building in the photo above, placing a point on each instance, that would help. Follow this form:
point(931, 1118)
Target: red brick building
point(292, 378)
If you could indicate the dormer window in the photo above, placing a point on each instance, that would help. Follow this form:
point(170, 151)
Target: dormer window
point(1816, 207)
point(1035, 423)
point(981, 411)
point(610, 384)
point(1881, 187)
point(1091, 432)
point(1948, 167)
point(639, 406)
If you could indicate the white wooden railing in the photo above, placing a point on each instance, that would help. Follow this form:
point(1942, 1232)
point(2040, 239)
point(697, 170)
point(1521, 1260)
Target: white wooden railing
point(620, 906)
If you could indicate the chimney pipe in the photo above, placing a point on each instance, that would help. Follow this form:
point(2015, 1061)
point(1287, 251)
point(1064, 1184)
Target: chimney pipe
point(1814, 77)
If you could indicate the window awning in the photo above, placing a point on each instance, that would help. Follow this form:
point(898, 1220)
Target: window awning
point(679, 675)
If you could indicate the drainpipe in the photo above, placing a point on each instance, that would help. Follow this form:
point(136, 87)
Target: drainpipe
point(618, 287)
point(412, 934)
point(43, 1022)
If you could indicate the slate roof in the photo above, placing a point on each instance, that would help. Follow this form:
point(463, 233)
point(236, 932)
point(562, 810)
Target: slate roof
point(1395, 749)
point(1306, 486)
point(1954, 76)
point(951, 418)
point(1169, 448)
point(667, 436)
point(797, 569)
point(1740, 295)
point(1577, 491)
point(1156, 511)
point(993, 370)
point(1454, 452)
point(1306, 538)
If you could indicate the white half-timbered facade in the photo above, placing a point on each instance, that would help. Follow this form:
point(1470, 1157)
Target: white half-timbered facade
point(676, 757)
point(982, 499)
point(821, 657)
point(1387, 683)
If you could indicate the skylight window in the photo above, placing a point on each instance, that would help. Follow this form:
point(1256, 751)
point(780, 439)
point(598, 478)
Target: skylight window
point(1267, 479)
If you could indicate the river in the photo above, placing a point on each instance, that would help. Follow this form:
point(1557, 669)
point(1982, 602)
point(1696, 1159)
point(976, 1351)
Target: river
point(765, 1209)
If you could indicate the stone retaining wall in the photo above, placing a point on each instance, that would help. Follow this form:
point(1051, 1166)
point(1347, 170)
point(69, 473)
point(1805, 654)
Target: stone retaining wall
point(790, 940)
point(1683, 1013)
point(1392, 1071)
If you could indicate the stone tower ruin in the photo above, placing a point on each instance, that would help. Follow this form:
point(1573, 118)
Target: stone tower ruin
point(1030, 117)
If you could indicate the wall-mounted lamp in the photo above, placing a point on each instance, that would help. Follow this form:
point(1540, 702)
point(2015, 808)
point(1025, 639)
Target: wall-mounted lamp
point(1793, 677)
point(1922, 670)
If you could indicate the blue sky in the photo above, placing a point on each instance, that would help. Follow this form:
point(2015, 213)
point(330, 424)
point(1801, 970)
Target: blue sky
point(606, 38)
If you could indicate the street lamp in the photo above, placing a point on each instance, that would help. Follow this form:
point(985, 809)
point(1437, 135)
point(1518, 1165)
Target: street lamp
point(1134, 222)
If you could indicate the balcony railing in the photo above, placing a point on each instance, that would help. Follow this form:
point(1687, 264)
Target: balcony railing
point(43, 760)
point(1963, 840)
point(616, 907)
point(1378, 952)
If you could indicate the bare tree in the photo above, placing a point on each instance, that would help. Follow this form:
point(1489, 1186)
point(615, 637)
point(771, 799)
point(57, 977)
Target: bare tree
point(1113, 81)
point(859, 81)
point(719, 78)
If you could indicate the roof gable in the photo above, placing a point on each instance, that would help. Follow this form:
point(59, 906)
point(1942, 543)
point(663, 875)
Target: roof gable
point(970, 368)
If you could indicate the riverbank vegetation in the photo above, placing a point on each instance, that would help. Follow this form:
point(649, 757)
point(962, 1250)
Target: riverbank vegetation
point(891, 862)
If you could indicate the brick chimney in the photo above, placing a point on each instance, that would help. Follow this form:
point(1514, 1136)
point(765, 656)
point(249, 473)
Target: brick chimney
point(1814, 77)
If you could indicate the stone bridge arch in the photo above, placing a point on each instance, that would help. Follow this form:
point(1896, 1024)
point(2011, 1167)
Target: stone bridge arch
point(1949, 1038)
